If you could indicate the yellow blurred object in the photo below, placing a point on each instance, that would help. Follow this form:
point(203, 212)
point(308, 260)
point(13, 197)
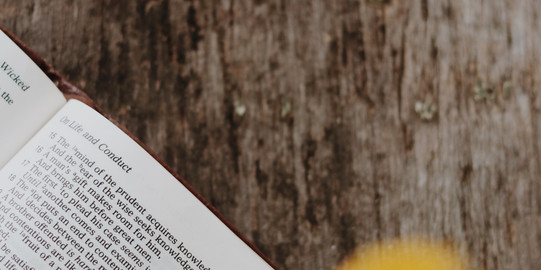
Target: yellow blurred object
point(410, 254)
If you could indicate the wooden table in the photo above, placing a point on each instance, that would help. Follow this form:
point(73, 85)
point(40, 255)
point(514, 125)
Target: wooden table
point(319, 126)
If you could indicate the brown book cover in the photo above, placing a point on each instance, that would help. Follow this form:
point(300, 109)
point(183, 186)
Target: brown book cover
point(71, 91)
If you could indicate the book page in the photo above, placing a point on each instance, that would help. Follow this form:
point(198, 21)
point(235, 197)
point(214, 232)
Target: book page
point(83, 195)
point(27, 98)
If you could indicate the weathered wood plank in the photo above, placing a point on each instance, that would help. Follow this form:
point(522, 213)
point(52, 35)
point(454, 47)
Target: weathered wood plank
point(297, 118)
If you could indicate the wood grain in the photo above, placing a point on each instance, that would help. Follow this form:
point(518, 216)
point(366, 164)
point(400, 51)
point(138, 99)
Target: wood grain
point(297, 119)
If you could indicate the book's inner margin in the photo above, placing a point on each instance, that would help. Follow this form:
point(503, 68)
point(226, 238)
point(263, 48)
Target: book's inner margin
point(28, 98)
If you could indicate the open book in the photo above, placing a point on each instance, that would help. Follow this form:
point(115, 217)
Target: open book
point(78, 192)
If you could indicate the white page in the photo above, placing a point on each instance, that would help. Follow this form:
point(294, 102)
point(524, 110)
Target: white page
point(69, 165)
point(27, 98)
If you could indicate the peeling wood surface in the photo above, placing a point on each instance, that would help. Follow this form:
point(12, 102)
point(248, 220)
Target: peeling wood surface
point(298, 120)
